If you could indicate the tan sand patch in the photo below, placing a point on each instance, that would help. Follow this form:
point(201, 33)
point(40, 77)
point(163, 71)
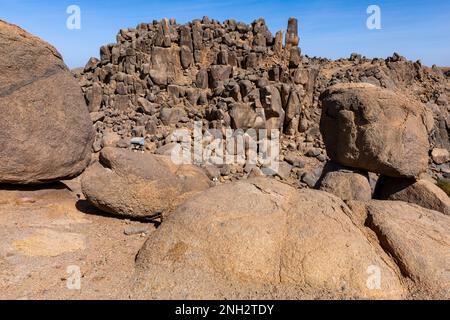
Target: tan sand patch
point(49, 243)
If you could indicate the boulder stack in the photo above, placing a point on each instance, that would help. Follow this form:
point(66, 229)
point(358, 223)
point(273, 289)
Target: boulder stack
point(383, 132)
point(375, 129)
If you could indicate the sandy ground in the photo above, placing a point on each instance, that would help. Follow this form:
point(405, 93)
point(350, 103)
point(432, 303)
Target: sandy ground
point(49, 236)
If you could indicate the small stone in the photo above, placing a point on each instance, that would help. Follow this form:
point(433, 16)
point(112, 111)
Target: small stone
point(138, 132)
point(133, 230)
point(284, 170)
point(97, 116)
point(256, 172)
point(313, 152)
point(25, 200)
point(310, 179)
point(110, 139)
point(123, 143)
point(97, 145)
point(249, 167)
point(440, 156)
point(322, 158)
point(212, 172)
point(225, 170)
point(294, 160)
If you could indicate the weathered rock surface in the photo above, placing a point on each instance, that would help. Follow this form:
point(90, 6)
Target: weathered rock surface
point(45, 129)
point(261, 239)
point(254, 239)
point(140, 185)
point(375, 129)
point(419, 240)
point(347, 185)
point(440, 156)
point(422, 192)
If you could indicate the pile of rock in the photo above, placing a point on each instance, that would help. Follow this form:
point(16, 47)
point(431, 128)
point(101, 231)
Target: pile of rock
point(231, 74)
point(162, 75)
point(377, 130)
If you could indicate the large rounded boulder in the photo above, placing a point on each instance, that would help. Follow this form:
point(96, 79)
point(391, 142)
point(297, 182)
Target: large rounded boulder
point(375, 129)
point(262, 239)
point(45, 129)
point(140, 185)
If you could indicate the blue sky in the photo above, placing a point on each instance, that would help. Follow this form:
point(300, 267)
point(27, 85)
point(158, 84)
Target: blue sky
point(417, 29)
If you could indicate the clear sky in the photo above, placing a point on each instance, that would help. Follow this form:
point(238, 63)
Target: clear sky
point(417, 29)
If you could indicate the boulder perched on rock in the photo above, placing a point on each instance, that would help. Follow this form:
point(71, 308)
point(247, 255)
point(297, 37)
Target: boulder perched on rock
point(140, 185)
point(347, 184)
point(422, 192)
point(375, 129)
point(261, 239)
point(45, 129)
point(419, 241)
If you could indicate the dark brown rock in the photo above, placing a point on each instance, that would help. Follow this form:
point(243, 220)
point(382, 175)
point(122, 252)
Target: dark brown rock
point(45, 128)
point(292, 32)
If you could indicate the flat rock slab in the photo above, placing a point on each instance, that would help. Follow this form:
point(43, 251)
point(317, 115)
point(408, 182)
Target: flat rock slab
point(50, 243)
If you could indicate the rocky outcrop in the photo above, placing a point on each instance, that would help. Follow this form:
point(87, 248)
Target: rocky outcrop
point(162, 75)
point(202, 63)
point(261, 239)
point(374, 129)
point(226, 75)
point(139, 185)
point(45, 129)
point(258, 238)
